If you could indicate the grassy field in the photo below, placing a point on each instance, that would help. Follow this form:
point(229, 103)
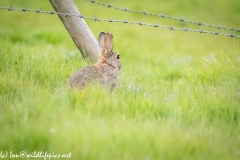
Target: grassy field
point(178, 95)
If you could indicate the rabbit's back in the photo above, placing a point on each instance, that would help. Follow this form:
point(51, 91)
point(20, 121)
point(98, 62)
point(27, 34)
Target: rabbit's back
point(81, 77)
point(103, 75)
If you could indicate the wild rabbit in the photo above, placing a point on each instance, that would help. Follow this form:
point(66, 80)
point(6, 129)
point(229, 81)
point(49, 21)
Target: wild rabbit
point(105, 71)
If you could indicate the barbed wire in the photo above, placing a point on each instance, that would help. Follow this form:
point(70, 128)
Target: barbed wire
point(164, 16)
point(118, 21)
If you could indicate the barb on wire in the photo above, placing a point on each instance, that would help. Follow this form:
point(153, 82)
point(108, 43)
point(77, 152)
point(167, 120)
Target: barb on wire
point(118, 21)
point(164, 16)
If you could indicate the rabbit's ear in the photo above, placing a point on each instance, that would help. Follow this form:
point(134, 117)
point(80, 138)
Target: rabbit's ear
point(109, 41)
point(101, 39)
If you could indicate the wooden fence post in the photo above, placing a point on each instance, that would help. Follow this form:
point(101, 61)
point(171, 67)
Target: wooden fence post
point(77, 28)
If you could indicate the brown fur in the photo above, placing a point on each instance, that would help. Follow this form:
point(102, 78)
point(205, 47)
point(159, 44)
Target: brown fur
point(105, 71)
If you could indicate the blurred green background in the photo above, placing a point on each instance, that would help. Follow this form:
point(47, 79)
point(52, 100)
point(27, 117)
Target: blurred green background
point(178, 96)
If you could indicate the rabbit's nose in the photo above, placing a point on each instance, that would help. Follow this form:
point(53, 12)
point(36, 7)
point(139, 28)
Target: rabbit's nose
point(120, 66)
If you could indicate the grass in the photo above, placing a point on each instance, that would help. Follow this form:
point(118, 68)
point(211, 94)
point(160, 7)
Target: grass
point(178, 95)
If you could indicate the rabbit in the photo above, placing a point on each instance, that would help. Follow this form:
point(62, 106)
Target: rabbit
point(105, 71)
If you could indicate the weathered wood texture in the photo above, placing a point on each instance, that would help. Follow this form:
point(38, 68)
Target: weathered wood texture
point(77, 28)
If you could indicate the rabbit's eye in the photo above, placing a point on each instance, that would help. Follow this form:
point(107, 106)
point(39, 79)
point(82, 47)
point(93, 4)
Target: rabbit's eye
point(118, 56)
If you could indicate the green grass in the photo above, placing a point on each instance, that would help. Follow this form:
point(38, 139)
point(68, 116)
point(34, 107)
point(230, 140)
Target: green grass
point(178, 95)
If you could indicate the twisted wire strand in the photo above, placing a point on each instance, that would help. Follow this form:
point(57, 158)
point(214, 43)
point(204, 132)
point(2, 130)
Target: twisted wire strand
point(119, 21)
point(163, 16)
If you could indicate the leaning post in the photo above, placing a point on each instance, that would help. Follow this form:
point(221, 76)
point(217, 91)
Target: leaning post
point(77, 28)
